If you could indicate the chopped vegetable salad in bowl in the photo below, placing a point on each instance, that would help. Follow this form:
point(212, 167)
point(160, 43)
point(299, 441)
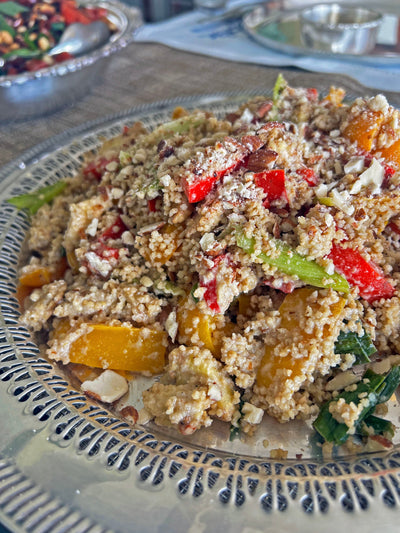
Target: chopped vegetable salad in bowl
point(248, 263)
point(29, 30)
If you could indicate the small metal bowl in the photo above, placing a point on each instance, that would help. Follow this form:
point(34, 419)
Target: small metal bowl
point(33, 94)
point(340, 29)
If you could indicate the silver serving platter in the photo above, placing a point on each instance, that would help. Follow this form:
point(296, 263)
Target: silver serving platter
point(70, 465)
point(32, 94)
point(282, 31)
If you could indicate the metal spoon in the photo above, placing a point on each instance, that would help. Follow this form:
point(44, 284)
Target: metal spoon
point(79, 38)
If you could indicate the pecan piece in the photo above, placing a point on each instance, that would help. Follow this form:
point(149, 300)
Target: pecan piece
point(259, 161)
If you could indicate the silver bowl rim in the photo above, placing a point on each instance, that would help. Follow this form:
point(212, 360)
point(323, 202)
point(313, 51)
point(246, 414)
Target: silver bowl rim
point(341, 25)
point(127, 18)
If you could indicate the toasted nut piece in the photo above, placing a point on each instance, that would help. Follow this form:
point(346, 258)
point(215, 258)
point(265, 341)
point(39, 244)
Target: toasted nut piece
point(259, 161)
point(6, 38)
point(44, 43)
point(108, 387)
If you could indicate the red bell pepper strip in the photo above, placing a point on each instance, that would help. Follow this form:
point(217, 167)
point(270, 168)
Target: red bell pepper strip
point(273, 184)
point(114, 231)
point(152, 205)
point(214, 163)
point(210, 295)
point(96, 168)
point(309, 175)
point(359, 272)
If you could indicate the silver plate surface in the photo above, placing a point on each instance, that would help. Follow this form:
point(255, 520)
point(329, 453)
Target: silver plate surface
point(281, 31)
point(69, 465)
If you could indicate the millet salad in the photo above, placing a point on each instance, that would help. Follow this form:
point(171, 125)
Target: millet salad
point(250, 261)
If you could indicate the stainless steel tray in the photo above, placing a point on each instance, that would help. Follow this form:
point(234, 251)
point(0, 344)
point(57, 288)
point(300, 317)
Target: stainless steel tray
point(69, 465)
point(281, 31)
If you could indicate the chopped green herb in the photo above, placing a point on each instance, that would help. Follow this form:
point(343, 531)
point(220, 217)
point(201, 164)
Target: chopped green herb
point(349, 342)
point(234, 430)
point(10, 9)
point(4, 26)
point(291, 263)
point(24, 53)
point(376, 387)
point(33, 201)
point(31, 45)
point(194, 288)
point(379, 426)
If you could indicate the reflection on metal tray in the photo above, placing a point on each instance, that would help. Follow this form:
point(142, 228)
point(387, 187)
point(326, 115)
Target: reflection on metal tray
point(281, 31)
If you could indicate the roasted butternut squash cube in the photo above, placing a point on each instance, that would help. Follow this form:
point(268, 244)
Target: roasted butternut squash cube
point(364, 128)
point(309, 318)
point(119, 348)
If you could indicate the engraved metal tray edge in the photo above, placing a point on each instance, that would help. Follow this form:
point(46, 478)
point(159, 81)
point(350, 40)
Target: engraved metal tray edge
point(50, 418)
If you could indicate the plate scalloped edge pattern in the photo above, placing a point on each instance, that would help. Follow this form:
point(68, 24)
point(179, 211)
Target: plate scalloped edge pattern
point(353, 485)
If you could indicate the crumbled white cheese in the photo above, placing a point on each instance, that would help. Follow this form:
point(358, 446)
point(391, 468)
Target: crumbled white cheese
point(356, 164)
point(116, 193)
point(108, 387)
point(165, 180)
point(92, 227)
point(379, 103)
point(342, 201)
point(251, 413)
point(372, 176)
point(247, 116)
point(214, 392)
point(171, 325)
point(112, 166)
point(102, 266)
point(207, 241)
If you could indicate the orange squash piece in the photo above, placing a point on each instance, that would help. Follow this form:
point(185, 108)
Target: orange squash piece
point(391, 154)
point(335, 96)
point(294, 306)
point(364, 128)
point(196, 328)
point(36, 278)
point(120, 348)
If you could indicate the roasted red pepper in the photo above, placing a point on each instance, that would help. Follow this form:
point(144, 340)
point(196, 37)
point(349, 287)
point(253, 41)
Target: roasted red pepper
point(359, 272)
point(214, 163)
point(309, 175)
point(273, 184)
point(197, 189)
point(96, 168)
point(152, 205)
point(114, 231)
